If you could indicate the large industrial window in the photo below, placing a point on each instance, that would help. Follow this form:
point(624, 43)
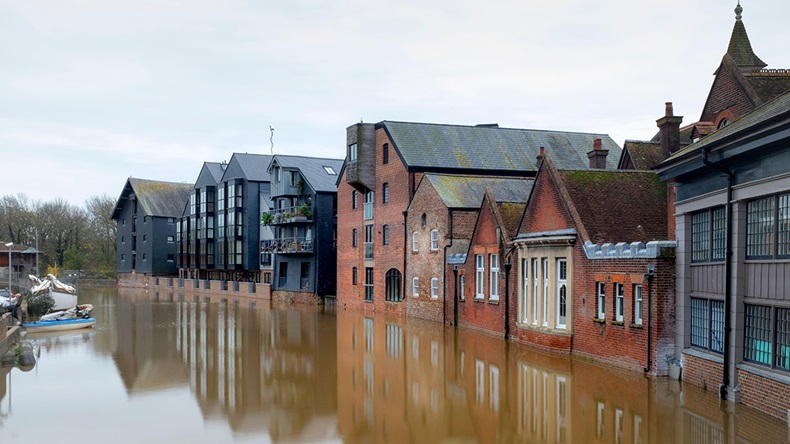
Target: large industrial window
point(760, 228)
point(757, 334)
point(393, 293)
point(708, 235)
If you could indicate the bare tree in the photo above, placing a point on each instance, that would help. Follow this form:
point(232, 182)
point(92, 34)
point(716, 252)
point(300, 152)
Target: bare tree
point(101, 235)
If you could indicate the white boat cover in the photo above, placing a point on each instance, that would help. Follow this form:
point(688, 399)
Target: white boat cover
point(41, 286)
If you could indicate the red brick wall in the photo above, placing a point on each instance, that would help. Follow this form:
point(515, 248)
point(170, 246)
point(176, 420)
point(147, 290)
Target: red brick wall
point(702, 372)
point(764, 394)
point(484, 315)
point(726, 94)
point(386, 257)
point(546, 210)
point(426, 264)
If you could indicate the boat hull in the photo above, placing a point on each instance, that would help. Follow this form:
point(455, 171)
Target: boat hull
point(63, 301)
point(61, 325)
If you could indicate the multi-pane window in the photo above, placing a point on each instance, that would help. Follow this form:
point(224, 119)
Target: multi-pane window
point(434, 240)
point(354, 238)
point(562, 292)
point(352, 152)
point(354, 276)
point(221, 197)
point(369, 284)
point(768, 227)
point(767, 336)
point(545, 270)
point(638, 304)
point(462, 289)
point(385, 235)
point(414, 242)
point(708, 235)
point(619, 297)
point(435, 288)
point(493, 284)
point(354, 200)
point(525, 288)
point(393, 285)
point(385, 154)
point(369, 241)
point(601, 290)
point(707, 324)
point(534, 291)
point(480, 275)
point(415, 286)
point(385, 193)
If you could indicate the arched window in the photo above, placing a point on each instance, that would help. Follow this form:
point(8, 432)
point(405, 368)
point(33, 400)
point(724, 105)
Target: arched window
point(723, 122)
point(393, 285)
point(424, 220)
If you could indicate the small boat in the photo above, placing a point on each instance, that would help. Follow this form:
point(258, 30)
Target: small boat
point(59, 324)
point(64, 295)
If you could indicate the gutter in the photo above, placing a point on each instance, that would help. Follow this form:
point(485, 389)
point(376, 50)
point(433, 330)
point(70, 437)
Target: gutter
point(725, 382)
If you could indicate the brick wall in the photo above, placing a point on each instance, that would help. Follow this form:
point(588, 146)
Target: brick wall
point(702, 372)
point(764, 394)
point(726, 94)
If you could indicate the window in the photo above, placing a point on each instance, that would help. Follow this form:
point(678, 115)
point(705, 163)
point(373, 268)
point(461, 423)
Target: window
point(601, 290)
point(304, 276)
point(369, 241)
point(707, 324)
point(282, 278)
point(414, 242)
point(354, 238)
point(638, 304)
point(354, 200)
point(267, 278)
point(462, 289)
point(144, 256)
point(330, 170)
point(415, 286)
point(171, 257)
point(525, 288)
point(352, 152)
point(368, 207)
point(562, 292)
point(266, 258)
point(385, 193)
point(145, 237)
point(393, 285)
point(708, 235)
point(423, 220)
point(535, 291)
point(757, 335)
point(545, 291)
point(385, 154)
point(493, 284)
point(768, 227)
point(385, 235)
point(354, 276)
point(618, 304)
point(434, 240)
point(434, 288)
point(480, 276)
point(276, 174)
point(369, 284)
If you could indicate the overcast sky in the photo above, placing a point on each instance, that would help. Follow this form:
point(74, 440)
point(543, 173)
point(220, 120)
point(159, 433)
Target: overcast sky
point(95, 91)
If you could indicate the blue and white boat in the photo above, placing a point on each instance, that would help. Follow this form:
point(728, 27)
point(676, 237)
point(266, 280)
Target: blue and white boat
point(58, 324)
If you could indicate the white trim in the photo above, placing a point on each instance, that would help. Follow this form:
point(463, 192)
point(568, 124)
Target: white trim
point(434, 240)
point(619, 301)
point(415, 286)
point(493, 283)
point(638, 303)
point(480, 273)
point(434, 288)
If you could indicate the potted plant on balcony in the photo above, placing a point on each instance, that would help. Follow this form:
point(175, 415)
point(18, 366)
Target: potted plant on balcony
point(266, 218)
point(303, 212)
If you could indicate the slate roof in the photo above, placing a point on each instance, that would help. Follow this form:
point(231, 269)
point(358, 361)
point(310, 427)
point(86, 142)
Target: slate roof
point(643, 154)
point(512, 213)
point(216, 169)
point(740, 48)
point(157, 198)
point(432, 146)
point(312, 169)
point(618, 206)
point(769, 83)
point(254, 166)
point(468, 191)
point(772, 109)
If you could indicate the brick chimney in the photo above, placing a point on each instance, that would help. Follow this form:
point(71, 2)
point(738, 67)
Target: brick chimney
point(541, 155)
point(597, 156)
point(669, 132)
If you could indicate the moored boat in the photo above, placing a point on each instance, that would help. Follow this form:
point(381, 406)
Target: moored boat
point(58, 324)
point(64, 295)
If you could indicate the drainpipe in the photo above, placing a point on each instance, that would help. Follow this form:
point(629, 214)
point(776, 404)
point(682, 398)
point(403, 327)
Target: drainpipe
point(649, 279)
point(725, 382)
point(507, 266)
point(405, 252)
point(444, 273)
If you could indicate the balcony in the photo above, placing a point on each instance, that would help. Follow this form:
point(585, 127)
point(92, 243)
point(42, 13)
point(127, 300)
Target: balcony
point(288, 245)
point(289, 215)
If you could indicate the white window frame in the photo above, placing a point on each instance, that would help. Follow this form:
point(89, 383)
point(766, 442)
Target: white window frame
point(545, 292)
point(535, 291)
point(561, 323)
point(601, 292)
point(493, 284)
point(638, 304)
point(434, 240)
point(480, 275)
point(415, 286)
point(415, 242)
point(525, 289)
point(619, 301)
point(462, 284)
point(352, 152)
point(434, 288)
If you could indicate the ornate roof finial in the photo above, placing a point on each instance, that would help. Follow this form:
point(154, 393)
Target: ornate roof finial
point(738, 11)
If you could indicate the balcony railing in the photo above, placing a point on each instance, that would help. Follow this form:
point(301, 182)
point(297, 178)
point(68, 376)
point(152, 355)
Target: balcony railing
point(278, 216)
point(288, 245)
point(368, 210)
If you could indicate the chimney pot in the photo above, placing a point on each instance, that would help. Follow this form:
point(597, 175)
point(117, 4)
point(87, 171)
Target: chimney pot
point(597, 145)
point(669, 111)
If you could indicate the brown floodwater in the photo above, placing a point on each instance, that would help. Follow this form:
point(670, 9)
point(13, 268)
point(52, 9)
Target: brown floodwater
point(164, 367)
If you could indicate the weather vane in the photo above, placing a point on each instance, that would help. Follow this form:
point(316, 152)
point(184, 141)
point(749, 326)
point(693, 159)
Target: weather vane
point(271, 139)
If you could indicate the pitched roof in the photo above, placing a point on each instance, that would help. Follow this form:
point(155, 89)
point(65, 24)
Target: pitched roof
point(740, 48)
point(216, 169)
point(617, 206)
point(643, 154)
point(489, 147)
point(468, 191)
point(253, 166)
point(512, 213)
point(313, 170)
point(157, 198)
point(769, 83)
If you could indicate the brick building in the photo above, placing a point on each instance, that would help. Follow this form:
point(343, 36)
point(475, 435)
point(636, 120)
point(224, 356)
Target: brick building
point(595, 273)
point(386, 161)
point(443, 219)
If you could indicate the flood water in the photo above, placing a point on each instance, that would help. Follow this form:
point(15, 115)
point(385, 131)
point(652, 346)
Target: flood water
point(157, 369)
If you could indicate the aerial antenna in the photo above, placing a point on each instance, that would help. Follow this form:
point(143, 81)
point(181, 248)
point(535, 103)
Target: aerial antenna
point(271, 139)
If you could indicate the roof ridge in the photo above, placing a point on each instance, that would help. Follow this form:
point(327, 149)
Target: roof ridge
point(495, 128)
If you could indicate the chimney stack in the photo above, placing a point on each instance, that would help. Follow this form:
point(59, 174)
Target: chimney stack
point(669, 132)
point(541, 155)
point(597, 156)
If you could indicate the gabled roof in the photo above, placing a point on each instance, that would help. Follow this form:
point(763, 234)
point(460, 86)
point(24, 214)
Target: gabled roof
point(157, 198)
point(511, 213)
point(210, 174)
point(489, 147)
point(642, 154)
point(468, 191)
point(252, 167)
point(313, 170)
point(216, 169)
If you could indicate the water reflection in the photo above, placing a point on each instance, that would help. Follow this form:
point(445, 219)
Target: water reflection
point(252, 372)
